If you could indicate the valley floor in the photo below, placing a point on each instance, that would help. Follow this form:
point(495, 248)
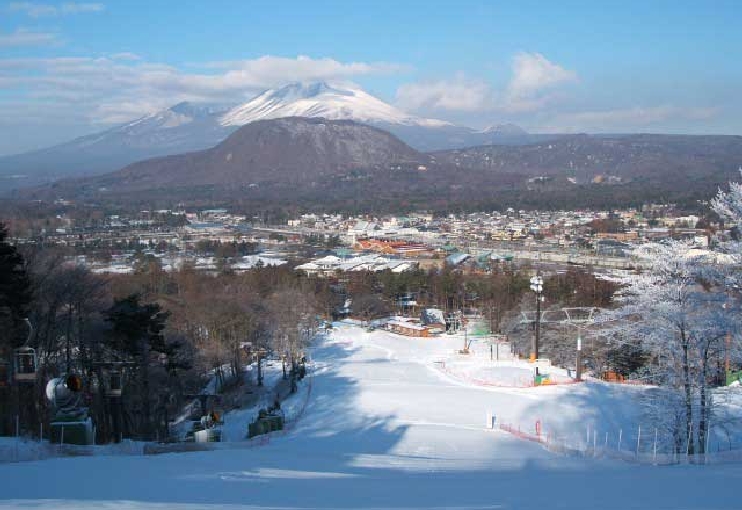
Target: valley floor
point(385, 428)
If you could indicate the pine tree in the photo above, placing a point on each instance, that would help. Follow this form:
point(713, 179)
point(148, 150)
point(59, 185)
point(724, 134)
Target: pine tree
point(138, 331)
point(15, 292)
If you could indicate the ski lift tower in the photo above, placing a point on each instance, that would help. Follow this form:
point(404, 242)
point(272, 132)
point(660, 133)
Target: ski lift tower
point(579, 317)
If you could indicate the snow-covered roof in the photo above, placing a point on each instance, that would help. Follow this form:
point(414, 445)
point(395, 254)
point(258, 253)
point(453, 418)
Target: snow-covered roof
point(250, 261)
point(408, 325)
point(433, 316)
point(457, 258)
point(328, 259)
point(370, 262)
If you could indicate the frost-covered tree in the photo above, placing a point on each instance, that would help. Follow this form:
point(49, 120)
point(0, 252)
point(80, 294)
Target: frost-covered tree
point(674, 312)
point(728, 204)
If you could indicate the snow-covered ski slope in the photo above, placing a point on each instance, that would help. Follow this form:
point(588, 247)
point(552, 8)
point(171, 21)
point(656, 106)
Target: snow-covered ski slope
point(385, 429)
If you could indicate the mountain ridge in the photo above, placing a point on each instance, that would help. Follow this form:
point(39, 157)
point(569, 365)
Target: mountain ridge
point(187, 127)
point(344, 165)
point(286, 150)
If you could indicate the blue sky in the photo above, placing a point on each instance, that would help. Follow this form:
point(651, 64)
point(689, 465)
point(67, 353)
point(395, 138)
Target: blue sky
point(73, 68)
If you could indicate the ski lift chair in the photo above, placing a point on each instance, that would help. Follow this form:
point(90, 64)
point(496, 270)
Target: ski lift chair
point(114, 382)
point(24, 365)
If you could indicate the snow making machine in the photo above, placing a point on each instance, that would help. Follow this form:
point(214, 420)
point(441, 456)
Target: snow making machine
point(206, 419)
point(267, 421)
point(71, 423)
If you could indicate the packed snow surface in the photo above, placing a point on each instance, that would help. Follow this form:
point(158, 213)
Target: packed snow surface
point(321, 100)
point(384, 428)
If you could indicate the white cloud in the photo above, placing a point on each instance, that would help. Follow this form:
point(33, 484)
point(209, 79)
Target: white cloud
point(459, 94)
point(74, 7)
point(269, 71)
point(629, 119)
point(33, 10)
point(531, 87)
point(125, 55)
point(121, 86)
point(23, 37)
point(532, 74)
point(39, 10)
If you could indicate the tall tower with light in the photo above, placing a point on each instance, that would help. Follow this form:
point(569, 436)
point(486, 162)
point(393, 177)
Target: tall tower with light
point(537, 286)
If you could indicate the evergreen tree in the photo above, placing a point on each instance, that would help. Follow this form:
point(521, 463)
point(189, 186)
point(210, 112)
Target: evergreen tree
point(135, 324)
point(15, 291)
point(138, 331)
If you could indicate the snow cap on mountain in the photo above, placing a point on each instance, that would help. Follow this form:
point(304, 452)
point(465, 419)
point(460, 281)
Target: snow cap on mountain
point(320, 99)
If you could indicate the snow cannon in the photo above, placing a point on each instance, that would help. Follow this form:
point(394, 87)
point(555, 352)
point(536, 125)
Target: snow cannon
point(71, 423)
point(64, 392)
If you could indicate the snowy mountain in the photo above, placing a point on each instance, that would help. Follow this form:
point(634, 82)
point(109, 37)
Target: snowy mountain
point(181, 128)
point(188, 127)
point(322, 100)
point(285, 151)
point(175, 116)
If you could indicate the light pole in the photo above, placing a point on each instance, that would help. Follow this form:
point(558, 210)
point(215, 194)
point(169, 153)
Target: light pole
point(260, 354)
point(578, 369)
point(537, 286)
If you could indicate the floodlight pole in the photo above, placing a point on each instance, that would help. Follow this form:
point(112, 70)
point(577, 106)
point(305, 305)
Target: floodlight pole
point(537, 286)
point(260, 372)
point(538, 324)
point(578, 373)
